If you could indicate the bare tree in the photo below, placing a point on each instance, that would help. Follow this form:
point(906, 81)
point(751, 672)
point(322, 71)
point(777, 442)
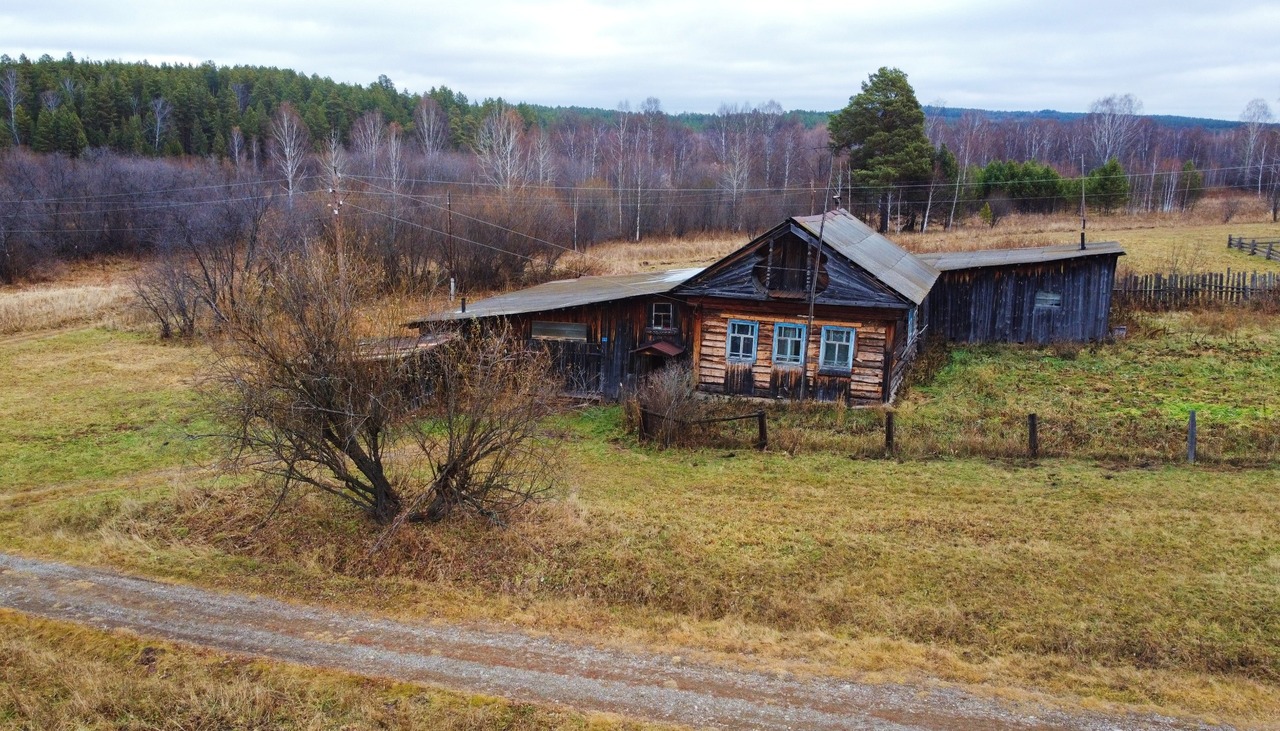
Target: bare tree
point(161, 111)
point(1256, 116)
point(235, 147)
point(480, 431)
point(309, 399)
point(11, 92)
point(1112, 122)
point(300, 398)
point(431, 124)
point(289, 146)
point(367, 134)
point(167, 292)
point(499, 148)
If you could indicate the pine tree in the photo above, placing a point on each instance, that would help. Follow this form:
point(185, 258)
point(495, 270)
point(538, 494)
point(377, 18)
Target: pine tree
point(1107, 186)
point(882, 128)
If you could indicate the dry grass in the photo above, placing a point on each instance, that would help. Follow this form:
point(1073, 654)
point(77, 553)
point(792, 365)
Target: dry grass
point(625, 257)
point(1151, 586)
point(44, 307)
point(63, 676)
point(1154, 242)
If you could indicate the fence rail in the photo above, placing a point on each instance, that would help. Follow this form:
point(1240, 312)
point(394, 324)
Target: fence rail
point(1174, 291)
point(1269, 249)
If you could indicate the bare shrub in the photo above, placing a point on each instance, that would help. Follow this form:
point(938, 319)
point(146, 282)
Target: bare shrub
point(667, 402)
point(170, 297)
point(1230, 207)
point(309, 397)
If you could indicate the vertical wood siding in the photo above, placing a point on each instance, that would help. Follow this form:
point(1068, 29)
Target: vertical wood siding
point(998, 303)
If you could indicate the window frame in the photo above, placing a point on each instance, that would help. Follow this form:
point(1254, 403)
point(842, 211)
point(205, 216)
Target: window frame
point(801, 338)
point(578, 332)
point(730, 335)
point(670, 316)
point(1048, 300)
point(841, 368)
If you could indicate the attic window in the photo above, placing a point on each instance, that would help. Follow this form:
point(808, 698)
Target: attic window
point(784, 265)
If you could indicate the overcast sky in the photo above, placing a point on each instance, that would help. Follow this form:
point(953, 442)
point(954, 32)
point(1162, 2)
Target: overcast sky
point(1205, 59)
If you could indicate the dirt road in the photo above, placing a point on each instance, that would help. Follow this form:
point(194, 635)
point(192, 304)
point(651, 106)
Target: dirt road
point(513, 665)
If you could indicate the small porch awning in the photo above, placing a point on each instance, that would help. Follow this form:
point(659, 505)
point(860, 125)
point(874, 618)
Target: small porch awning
point(660, 347)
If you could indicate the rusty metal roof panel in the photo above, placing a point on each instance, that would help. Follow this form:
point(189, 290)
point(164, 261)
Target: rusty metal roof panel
point(898, 268)
point(952, 260)
point(569, 293)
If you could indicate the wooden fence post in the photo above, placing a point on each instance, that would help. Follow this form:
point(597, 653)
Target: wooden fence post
point(1191, 437)
point(888, 432)
point(1033, 436)
point(764, 431)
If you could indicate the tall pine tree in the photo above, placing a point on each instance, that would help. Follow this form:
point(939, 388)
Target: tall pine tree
point(882, 129)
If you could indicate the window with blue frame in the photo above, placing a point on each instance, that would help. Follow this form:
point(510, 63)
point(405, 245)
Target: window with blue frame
point(788, 344)
point(838, 347)
point(741, 345)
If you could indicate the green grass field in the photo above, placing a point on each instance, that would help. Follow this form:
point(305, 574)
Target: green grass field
point(1106, 572)
point(1119, 576)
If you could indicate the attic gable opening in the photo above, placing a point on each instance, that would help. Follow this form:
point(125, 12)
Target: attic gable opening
point(783, 268)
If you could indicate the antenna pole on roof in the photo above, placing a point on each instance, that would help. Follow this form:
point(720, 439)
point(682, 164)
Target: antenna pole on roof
point(1082, 220)
point(813, 282)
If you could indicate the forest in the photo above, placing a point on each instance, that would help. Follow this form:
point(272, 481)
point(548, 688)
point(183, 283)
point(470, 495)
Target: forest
point(122, 158)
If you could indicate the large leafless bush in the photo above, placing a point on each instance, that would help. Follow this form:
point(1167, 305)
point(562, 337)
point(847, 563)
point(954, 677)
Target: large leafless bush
point(395, 430)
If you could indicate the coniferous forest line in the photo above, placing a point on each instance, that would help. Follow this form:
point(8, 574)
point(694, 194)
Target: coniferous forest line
point(128, 158)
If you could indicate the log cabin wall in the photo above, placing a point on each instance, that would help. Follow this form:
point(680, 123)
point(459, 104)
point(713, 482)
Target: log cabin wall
point(867, 381)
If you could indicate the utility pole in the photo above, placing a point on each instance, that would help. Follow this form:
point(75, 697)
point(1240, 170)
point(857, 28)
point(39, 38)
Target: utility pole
point(813, 284)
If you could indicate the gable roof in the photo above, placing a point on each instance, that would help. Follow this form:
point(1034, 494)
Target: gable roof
point(569, 293)
point(952, 260)
point(904, 272)
point(894, 269)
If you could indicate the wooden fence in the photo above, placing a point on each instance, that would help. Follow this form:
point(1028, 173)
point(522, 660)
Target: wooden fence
point(1269, 249)
point(1178, 291)
point(664, 429)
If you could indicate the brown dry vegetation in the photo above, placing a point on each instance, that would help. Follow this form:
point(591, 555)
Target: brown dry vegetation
point(1105, 580)
point(1154, 242)
point(62, 676)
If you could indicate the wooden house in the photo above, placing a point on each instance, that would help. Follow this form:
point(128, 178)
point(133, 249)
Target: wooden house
point(819, 307)
point(1036, 295)
point(603, 332)
point(769, 322)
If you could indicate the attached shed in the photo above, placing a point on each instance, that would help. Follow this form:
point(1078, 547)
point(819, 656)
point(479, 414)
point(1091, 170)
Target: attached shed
point(602, 332)
point(1036, 295)
point(753, 331)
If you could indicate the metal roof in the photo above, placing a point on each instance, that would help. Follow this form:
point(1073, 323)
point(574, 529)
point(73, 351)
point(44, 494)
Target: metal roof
point(904, 272)
point(951, 260)
point(569, 293)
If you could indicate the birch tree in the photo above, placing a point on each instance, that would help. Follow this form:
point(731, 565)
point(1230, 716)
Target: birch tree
point(1112, 122)
point(1256, 116)
point(11, 92)
point(289, 147)
point(499, 148)
point(161, 111)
